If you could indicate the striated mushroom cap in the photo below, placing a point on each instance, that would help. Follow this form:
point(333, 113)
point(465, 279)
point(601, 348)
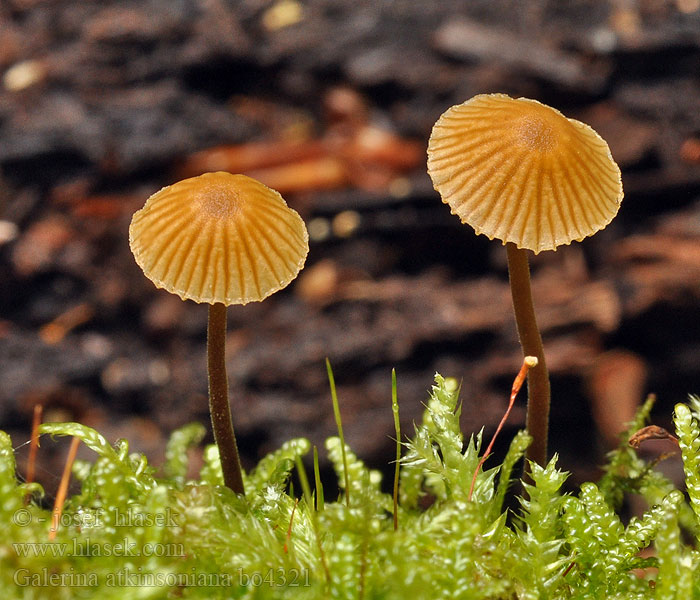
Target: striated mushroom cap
point(219, 238)
point(520, 171)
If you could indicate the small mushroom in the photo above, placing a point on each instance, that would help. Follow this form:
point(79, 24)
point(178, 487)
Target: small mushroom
point(520, 171)
point(219, 239)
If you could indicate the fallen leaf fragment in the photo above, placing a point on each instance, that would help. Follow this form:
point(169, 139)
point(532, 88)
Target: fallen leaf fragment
point(650, 432)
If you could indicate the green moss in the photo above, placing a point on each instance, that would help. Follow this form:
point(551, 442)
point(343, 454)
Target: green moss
point(132, 533)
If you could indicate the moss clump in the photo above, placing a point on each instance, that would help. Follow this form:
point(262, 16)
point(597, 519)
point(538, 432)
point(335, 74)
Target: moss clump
point(132, 534)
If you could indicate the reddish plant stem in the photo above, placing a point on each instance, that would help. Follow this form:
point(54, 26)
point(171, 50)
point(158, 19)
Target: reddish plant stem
point(219, 406)
point(528, 363)
point(288, 539)
point(538, 391)
point(63, 489)
point(34, 445)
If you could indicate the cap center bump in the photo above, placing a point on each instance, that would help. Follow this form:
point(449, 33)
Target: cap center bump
point(218, 201)
point(535, 133)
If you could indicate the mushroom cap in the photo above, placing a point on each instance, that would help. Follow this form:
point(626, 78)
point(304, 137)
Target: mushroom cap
point(520, 171)
point(217, 238)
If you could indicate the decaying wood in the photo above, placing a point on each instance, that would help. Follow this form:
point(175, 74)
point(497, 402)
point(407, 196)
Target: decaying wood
point(101, 104)
point(353, 152)
point(468, 39)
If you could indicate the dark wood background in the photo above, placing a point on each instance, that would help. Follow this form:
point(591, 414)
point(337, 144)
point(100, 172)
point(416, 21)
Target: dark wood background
point(332, 101)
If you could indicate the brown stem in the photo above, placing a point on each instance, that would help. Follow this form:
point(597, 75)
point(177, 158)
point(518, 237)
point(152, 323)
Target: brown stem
point(538, 392)
point(218, 399)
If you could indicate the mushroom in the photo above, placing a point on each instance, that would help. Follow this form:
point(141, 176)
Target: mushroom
point(520, 171)
point(219, 239)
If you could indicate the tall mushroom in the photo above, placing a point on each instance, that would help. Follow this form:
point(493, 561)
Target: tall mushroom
point(220, 239)
point(520, 171)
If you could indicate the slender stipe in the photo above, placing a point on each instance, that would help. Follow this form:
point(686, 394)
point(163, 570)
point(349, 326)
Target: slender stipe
point(219, 406)
point(538, 390)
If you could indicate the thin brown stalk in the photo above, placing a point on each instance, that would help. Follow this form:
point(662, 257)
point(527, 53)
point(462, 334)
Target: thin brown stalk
point(538, 390)
point(219, 406)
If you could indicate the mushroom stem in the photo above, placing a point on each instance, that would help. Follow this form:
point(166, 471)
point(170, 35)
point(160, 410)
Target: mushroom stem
point(538, 392)
point(219, 406)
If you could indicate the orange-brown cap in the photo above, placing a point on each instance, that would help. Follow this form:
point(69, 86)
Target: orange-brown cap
point(219, 238)
point(520, 171)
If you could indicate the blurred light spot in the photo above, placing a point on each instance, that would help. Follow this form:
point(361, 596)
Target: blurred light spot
point(115, 374)
point(319, 229)
point(400, 187)
point(603, 40)
point(158, 372)
point(23, 75)
point(318, 283)
point(345, 223)
point(282, 14)
point(96, 345)
point(8, 232)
